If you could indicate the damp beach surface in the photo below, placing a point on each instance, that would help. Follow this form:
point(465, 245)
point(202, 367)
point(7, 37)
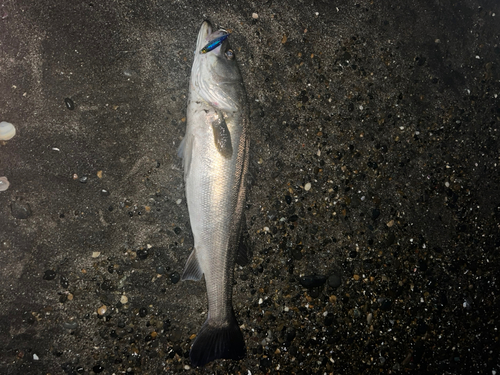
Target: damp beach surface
point(372, 213)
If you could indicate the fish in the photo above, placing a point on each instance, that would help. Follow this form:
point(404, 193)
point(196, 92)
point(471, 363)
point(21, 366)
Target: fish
point(214, 43)
point(215, 157)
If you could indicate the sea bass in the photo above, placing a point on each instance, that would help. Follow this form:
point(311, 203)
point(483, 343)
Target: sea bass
point(215, 161)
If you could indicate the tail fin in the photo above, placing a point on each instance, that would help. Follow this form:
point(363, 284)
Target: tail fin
point(217, 340)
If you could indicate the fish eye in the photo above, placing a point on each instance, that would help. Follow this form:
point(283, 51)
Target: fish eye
point(229, 54)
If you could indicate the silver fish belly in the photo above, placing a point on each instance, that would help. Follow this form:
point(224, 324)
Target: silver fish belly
point(215, 160)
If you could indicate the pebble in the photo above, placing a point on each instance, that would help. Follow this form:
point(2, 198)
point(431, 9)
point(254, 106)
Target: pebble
point(143, 312)
point(96, 254)
point(307, 186)
point(69, 104)
point(102, 310)
point(7, 131)
point(142, 254)
point(369, 318)
point(64, 282)
point(334, 281)
point(312, 281)
point(124, 299)
point(71, 325)
point(255, 16)
point(35, 357)
point(20, 210)
point(4, 183)
point(49, 275)
point(84, 179)
point(385, 304)
point(175, 277)
point(297, 252)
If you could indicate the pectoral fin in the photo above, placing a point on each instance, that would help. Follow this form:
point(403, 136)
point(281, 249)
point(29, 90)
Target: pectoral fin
point(192, 271)
point(222, 136)
point(185, 152)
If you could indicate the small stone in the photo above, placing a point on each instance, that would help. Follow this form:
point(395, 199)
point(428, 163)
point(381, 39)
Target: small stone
point(178, 201)
point(175, 277)
point(356, 277)
point(369, 318)
point(328, 320)
point(64, 282)
point(102, 310)
point(312, 281)
point(124, 299)
point(4, 183)
point(142, 254)
point(307, 186)
point(334, 281)
point(297, 252)
point(83, 179)
point(69, 104)
point(71, 325)
point(7, 131)
point(49, 275)
point(385, 304)
point(35, 357)
point(99, 174)
point(98, 369)
point(390, 223)
point(177, 230)
point(105, 192)
point(288, 199)
point(96, 254)
point(20, 210)
point(143, 312)
point(255, 16)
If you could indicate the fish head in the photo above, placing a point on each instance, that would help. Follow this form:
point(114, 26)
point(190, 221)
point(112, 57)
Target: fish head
point(215, 74)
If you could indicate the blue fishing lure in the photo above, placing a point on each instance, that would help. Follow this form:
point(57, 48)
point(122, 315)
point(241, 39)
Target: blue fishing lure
point(214, 43)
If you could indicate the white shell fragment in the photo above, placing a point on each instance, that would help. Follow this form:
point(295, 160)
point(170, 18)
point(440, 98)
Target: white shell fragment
point(4, 183)
point(7, 131)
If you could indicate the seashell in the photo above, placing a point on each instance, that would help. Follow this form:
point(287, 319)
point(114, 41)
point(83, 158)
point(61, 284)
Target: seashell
point(4, 183)
point(7, 131)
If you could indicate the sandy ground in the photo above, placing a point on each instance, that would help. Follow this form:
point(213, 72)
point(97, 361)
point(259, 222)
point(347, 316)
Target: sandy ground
point(375, 164)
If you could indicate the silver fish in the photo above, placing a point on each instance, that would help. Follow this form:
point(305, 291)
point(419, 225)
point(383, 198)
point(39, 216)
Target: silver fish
point(215, 160)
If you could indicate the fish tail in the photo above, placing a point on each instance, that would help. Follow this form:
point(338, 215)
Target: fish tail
point(218, 340)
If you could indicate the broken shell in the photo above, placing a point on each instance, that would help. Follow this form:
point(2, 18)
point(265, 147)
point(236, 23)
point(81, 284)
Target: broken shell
point(4, 183)
point(7, 131)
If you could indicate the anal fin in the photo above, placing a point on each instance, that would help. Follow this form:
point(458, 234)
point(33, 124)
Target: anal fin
point(192, 271)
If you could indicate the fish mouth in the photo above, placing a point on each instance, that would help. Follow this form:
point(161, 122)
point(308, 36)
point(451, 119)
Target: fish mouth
point(206, 34)
point(203, 35)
